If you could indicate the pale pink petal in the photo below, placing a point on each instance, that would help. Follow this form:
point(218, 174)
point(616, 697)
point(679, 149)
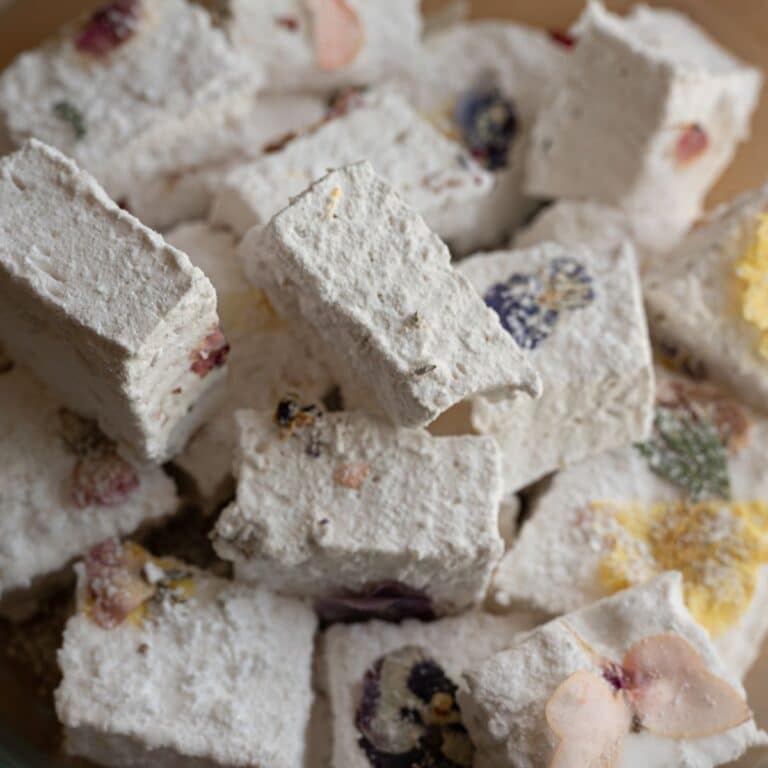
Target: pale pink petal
point(591, 720)
point(337, 33)
point(675, 695)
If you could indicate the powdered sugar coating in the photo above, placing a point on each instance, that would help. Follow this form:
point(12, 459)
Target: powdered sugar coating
point(223, 677)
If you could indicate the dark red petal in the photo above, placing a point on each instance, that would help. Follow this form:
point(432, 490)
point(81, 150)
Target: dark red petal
point(109, 27)
point(212, 353)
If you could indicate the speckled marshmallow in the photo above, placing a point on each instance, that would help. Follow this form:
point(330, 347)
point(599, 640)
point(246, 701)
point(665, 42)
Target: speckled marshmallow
point(187, 192)
point(348, 502)
point(365, 270)
point(432, 173)
point(278, 36)
point(602, 228)
point(634, 86)
point(455, 643)
point(525, 64)
point(222, 679)
point(159, 101)
point(556, 562)
point(694, 302)
point(505, 696)
point(606, 399)
point(100, 307)
point(42, 527)
point(269, 358)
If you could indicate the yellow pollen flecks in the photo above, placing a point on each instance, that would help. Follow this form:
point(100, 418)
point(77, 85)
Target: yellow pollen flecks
point(717, 546)
point(752, 271)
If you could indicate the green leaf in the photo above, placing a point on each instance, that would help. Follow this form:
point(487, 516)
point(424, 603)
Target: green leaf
point(72, 115)
point(690, 453)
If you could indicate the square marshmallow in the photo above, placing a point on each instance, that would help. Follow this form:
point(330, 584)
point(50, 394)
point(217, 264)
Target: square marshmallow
point(269, 357)
point(650, 114)
point(578, 311)
point(378, 286)
point(120, 325)
point(501, 75)
point(164, 665)
point(434, 174)
point(337, 504)
point(186, 192)
point(633, 674)
point(322, 45)
point(693, 498)
point(706, 300)
point(63, 488)
point(355, 656)
point(138, 90)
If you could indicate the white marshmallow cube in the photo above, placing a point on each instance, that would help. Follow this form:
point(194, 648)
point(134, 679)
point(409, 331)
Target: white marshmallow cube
point(204, 671)
point(336, 504)
point(120, 325)
point(434, 174)
point(160, 99)
point(578, 311)
point(650, 114)
point(64, 488)
point(378, 286)
point(351, 655)
point(704, 302)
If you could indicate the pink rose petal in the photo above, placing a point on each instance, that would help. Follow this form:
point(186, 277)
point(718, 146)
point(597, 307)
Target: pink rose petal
point(675, 695)
point(212, 353)
point(114, 583)
point(337, 33)
point(692, 143)
point(103, 479)
point(591, 720)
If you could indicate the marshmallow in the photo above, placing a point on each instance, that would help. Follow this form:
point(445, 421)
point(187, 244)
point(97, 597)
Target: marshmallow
point(435, 175)
point(325, 44)
point(650, 114)
point(360, 696)
point(139, 90)
point(578, 311)
point(64, 488)
point(121, 325)
point(631, 680)
point(335, 505)
point(501, 75)
point(365, 270)
point(164, 665)
point(705, 302)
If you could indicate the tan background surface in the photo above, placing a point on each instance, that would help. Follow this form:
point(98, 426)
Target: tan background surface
point(741, 25)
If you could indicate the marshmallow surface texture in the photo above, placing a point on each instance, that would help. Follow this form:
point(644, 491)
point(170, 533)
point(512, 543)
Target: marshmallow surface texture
point(454, 643)
point(507, 694)
point(269, 358)
point(212, 674)
point(619, 518)
point(434, 174)
point(64, 487)
point(339, 502)
point(288, 39)
point(160, 99)
point(361, 266)
point(649, 115)
point(120, 324)
point(501, 75)
point(578, 311)
point(704, 300)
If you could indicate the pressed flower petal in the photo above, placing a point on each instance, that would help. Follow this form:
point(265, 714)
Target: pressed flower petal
point(591, 720)
point(337, 33)
point(675, 695)
point(691, 144)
